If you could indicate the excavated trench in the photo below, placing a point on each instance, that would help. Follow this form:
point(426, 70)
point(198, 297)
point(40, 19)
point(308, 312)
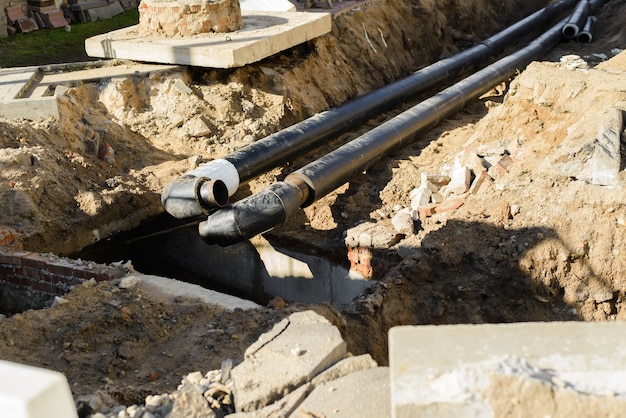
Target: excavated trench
point(480, 264)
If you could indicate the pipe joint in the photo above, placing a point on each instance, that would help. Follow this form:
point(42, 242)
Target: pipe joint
point(189, 196)
point(253, 215)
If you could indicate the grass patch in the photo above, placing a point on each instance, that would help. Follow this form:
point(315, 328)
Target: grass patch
point(56, 46)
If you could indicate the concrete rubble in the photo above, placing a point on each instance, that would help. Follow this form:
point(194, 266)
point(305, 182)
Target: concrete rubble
point(300, 368)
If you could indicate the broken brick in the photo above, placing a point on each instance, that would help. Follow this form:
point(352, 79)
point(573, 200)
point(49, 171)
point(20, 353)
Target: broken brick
point(450, 204)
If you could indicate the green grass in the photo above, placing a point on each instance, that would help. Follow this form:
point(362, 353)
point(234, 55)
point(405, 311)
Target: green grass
point(56, 46)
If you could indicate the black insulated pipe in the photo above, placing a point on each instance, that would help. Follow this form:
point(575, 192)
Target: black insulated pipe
point(586, 34)
point(260, 212)
point(257, 158)
point(237, 222)
point(576, 20)
point(274, 150)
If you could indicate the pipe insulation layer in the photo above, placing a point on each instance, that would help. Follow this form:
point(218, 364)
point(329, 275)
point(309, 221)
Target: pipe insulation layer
point(257, 158)
point(576, 20)
point(240, 221)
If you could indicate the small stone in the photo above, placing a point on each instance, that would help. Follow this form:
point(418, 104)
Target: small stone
point(403, 223)
point(128, 282)
point(58, 301)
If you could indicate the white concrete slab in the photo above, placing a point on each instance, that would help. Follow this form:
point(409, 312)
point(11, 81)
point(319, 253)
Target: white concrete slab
point(264, 34)
point(477, 370)
point(267, 5)
point(171, 288)
point(15, 80)
point(30, 108)
point(31, 392)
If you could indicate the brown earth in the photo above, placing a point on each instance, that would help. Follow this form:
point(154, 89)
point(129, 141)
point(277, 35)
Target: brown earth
point(537, 246)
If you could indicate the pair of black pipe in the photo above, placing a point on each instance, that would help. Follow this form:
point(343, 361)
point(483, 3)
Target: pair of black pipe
point(580, 25)
point(271, 207)
point(183, 198)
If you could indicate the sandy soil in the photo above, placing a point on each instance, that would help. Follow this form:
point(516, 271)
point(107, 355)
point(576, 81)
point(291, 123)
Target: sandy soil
point(540, 245)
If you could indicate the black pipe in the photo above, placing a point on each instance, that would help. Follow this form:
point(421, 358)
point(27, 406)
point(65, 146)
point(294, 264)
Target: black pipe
point(274, 150)
point(270, 152)
point(586, 33)
point(244, 219)
point(576, 20)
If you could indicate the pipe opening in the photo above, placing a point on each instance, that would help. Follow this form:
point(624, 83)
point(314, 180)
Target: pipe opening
point(570, 30)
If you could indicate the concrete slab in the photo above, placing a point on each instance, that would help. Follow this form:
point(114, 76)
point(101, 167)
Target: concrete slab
point(291, 353)
point(561, 369)
point(267, 5)
point(172, 289)
point(30, 108)
point(31, 392)
point(15, 80)
point(26, 92)
point(264, 34)
point(363, 394)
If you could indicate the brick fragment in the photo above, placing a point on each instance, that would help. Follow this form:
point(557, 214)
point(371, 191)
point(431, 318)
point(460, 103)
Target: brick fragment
point(450, 204)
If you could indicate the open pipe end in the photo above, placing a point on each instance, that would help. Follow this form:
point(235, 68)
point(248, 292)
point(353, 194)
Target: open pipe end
point(584, 37)
point(190, 196)
point(570, 30)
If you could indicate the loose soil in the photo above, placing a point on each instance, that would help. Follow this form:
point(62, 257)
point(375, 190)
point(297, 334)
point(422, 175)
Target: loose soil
point(540, 245)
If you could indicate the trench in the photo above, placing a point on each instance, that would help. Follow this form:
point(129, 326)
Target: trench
point(258, 270)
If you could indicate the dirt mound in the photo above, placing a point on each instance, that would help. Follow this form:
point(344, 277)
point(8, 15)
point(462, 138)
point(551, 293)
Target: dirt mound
point(542, 244)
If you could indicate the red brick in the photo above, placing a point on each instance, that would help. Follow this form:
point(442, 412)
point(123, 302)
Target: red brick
point(361, 261)
point(18, 281)
point(60, 269)
point(6, 271)
point(32, 273)
point(34, 260)
point(13, 258)
point(45, 287)
point(426, 211)
point(450, 204)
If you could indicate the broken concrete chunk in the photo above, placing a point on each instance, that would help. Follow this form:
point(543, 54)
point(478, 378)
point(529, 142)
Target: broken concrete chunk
point(459, 181)
point(197, 127)
point(438, 180)
point(606, 155)
point(295, 351)
point(345, 367)
point(420, 196)
point(371, 235)
point(360, 400)
point(403, 223)
point(468, 158)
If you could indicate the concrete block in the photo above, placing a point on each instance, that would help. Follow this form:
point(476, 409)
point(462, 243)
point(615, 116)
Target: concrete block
point(291, 354)
point(55, 19)
point(105, 12)
point(263, 34)
point(459, 181)
point(606, 155)
point(468, 158)
point(31, 392)
point(420, 196)
point(363, 394)
point(557, 369)
point(31, 108)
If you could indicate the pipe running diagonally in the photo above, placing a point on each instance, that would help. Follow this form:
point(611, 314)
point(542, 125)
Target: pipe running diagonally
point(271, 207)
point(182, 198)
